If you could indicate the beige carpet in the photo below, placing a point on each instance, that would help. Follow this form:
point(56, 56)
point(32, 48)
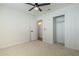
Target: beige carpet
point(38, 48)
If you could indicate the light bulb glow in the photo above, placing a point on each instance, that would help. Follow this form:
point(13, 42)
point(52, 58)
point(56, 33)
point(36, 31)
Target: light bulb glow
point(36, 8)
point(40, 23)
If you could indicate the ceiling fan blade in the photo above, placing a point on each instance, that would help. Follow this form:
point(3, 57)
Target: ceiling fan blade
point(39, 9)
point(44, 4)
point(31, 8)
point(30, 4)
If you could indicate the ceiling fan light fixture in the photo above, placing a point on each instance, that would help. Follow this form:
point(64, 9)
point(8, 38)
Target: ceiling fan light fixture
point(36, 8)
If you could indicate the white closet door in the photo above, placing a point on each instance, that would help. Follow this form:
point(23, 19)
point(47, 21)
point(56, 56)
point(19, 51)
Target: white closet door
point(60, 32)
point(60, 29)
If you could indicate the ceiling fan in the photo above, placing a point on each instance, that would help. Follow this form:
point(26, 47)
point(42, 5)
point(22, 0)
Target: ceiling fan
point(36, 6)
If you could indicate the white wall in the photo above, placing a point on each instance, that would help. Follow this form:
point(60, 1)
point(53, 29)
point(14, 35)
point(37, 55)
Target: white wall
point(72, 28)
point(71, 25)
point(15, 26)
point(33, 27)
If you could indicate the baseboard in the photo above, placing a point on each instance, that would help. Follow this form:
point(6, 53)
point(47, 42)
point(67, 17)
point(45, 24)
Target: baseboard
point(76, 49)
point(12, 44)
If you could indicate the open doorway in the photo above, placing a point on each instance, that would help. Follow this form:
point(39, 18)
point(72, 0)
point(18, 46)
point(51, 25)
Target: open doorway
point(40, 30)
point(59, 29)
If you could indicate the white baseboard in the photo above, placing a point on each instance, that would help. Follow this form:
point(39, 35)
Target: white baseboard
point(12, 44)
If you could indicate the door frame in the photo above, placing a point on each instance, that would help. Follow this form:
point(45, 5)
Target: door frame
point(37, 28)
point(55, 25)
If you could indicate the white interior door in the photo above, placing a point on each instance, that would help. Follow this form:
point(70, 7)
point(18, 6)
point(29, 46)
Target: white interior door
point(60, 30)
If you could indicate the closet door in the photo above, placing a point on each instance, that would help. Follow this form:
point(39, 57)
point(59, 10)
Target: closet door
point(60, 30)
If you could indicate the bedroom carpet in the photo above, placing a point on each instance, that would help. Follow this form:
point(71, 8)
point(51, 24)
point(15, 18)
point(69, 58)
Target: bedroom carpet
point(38, 48)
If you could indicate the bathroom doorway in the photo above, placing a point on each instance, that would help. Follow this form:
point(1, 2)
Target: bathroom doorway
point(40, 30)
